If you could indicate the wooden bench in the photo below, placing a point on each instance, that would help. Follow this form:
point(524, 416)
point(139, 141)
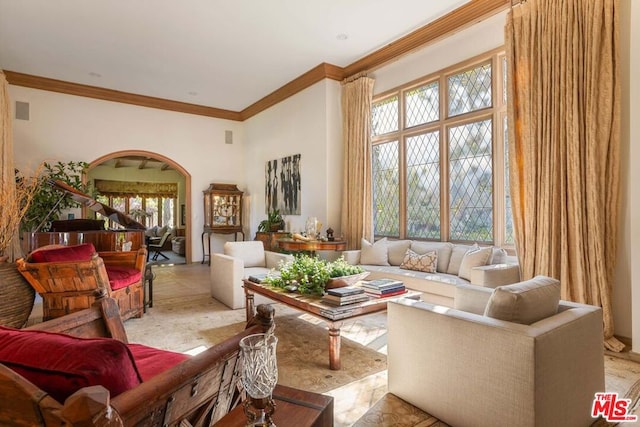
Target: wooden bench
point(196, 392)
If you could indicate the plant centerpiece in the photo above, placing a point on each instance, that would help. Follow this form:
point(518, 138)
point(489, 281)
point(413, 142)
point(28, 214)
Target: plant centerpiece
point(274, 222)
point(310, 274)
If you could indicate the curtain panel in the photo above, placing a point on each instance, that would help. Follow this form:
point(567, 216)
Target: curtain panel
point(356, 220)
point(564, 131)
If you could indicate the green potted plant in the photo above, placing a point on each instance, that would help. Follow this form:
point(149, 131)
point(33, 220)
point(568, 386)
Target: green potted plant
point(274, 222)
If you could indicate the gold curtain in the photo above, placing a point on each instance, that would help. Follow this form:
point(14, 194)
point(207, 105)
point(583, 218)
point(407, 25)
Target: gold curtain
point(7, 170)
point(564, 132)
point(356, 221)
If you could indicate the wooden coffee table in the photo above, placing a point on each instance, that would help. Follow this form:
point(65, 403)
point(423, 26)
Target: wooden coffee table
point(293, 408)
point(332, 315)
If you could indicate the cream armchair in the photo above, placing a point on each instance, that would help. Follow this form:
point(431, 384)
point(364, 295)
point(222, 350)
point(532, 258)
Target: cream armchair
point(468, 369)
point(240, 260)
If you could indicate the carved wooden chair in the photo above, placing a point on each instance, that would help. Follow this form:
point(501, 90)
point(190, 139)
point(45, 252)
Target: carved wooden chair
point(193, 391)
point(68, 277)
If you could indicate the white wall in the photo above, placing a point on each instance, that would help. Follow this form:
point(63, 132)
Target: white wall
point(65, 127)
point(308, 124)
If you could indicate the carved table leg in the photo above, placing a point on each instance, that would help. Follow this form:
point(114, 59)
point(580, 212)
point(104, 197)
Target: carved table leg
point(334, 346)
point(249, 304)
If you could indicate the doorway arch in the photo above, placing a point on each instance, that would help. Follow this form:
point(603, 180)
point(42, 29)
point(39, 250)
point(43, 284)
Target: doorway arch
point(173, 164)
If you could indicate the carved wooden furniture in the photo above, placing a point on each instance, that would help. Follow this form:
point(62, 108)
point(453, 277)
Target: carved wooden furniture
point(311, 246)
point(197, 391)
point(222, 214)
point(270, 239)
point(313, 305)
point(69, 286)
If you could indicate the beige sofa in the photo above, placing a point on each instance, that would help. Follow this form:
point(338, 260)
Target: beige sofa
point(384, 258)
point(239, 261)
point(470, 369)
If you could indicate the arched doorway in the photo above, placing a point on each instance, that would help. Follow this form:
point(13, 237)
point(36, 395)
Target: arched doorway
point(170, 163)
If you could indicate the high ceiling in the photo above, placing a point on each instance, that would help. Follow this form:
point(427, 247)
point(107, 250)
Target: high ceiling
point(223, 54)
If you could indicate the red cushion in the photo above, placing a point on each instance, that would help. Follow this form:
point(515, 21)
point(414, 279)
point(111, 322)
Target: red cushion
point(152, 361)
point(82, 252)
point(61, 364)
point(119, 277)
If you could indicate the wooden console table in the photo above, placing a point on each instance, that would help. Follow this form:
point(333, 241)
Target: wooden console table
point(293, 408)
point(311, 246)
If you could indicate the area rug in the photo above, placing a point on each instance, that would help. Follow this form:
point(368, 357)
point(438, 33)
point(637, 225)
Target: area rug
point(303, 354)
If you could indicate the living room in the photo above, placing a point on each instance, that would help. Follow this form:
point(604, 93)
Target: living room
point(67, 127)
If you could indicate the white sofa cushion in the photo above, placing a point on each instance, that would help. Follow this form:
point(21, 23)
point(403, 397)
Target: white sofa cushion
point(374, 254)
point(397, 249)
point(525, 302)
point(442, 248)
point(474, 258)
point(251, 252)
point(457, 254)
point(425, 262)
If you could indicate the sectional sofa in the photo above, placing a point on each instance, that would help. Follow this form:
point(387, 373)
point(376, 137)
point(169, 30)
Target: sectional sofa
point(435, 268)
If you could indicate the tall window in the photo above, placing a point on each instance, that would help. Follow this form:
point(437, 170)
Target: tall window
point(439, 156)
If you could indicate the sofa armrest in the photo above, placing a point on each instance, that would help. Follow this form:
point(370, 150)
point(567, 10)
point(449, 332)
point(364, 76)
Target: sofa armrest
point(227, 273)
point(273, 259)
point(471, 298)
point(352, 257)
point(495, 275)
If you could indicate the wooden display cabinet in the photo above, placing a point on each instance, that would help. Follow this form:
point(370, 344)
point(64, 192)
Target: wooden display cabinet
point(222, 213)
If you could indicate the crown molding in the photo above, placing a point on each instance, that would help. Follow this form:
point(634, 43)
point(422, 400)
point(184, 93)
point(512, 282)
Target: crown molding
point(456, 20)
point(69, 88)
point(311, 77)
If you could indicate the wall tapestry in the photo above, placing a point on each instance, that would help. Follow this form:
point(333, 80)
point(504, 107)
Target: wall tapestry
point(282, 185)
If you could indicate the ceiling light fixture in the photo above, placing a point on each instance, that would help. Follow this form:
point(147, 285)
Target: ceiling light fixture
point(342, 36)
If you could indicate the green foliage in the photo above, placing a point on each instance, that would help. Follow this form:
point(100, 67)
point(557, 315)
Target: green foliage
point(45, 199)
point(310, 273)
point(274, 218)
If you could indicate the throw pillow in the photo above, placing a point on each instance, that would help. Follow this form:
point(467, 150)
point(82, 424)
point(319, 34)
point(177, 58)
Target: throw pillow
point(474, 258)
point(425, 262)
point(61, 364)
point(442, 248)
point(499, 256)
point(374, 254)
point(525, 302)
point(457, 253)
point(396, 250)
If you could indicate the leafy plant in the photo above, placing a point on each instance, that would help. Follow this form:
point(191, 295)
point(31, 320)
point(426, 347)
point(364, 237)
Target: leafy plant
point(274, 221)
point(48, 203)
point(310, 274)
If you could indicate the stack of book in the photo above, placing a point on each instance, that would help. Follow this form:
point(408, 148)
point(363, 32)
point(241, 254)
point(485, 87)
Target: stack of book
point(384, 287)
point(345, 295)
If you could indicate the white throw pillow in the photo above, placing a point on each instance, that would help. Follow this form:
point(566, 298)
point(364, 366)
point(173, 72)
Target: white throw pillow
point(374, 254)
point(457, 253)
point(474, 258)
point(425, 262)
point(442, 248)
point(396, 250)
point(499, 256)
point(525, 302)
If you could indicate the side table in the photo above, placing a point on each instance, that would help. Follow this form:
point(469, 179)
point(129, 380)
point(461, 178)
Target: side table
point(293, 408)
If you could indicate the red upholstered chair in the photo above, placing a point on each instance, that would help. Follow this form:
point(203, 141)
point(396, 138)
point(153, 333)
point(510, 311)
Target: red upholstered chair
point(70, 277)
point(80, 369)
